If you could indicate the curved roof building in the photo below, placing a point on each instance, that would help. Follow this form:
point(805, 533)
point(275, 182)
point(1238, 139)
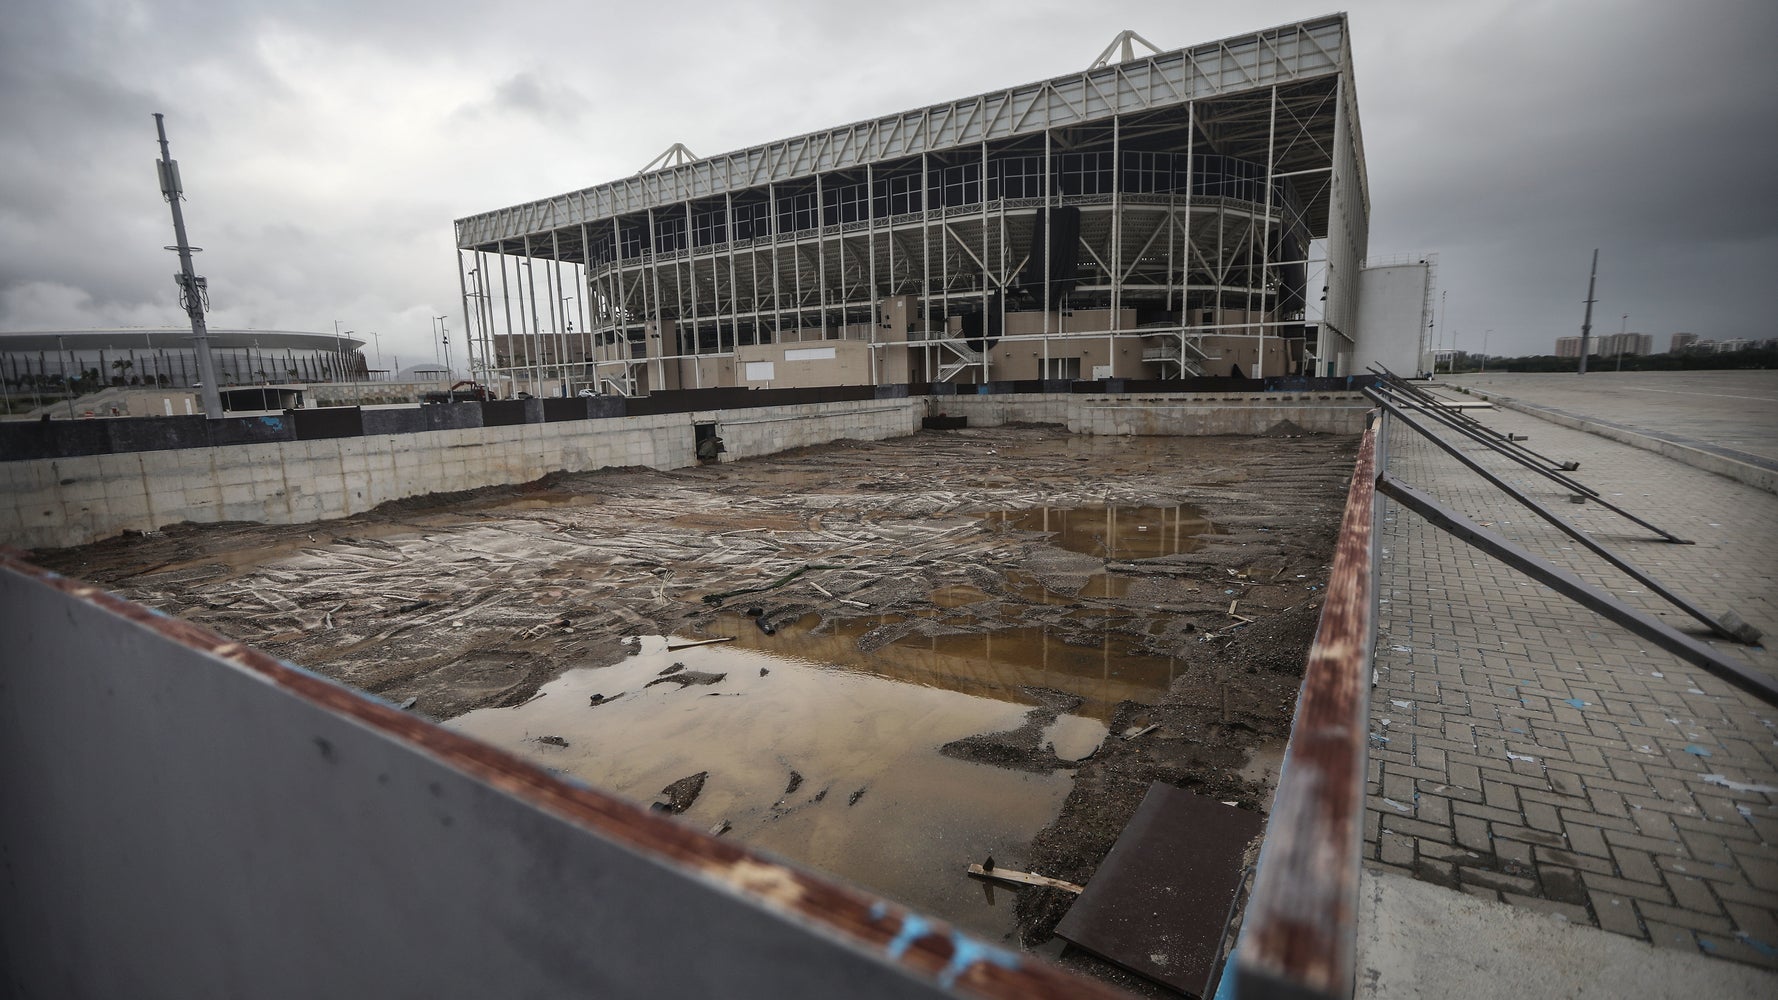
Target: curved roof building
point(165, 357)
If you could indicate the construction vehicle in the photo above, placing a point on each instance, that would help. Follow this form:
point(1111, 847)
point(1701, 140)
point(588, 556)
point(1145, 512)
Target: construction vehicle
point(465, 391)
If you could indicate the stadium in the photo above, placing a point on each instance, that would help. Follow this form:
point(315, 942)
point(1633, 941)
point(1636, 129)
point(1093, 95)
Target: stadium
point(90, 359)
point(1175, 215)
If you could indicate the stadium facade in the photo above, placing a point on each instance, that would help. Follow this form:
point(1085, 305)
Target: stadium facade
point(1202, 211)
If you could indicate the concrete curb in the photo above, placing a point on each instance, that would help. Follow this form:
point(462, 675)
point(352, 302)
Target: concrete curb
point(1416, 939)
point(1746, 469)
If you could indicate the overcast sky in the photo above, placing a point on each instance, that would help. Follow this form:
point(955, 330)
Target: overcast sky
point(326, 146)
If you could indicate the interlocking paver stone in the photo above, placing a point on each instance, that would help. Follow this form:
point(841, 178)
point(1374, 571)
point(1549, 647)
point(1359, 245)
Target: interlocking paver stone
point(1541, 752)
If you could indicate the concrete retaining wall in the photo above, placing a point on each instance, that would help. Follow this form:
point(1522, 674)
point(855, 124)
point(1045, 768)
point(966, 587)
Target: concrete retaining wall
point(71, 501)
point(369, 393)
point(1200, 414)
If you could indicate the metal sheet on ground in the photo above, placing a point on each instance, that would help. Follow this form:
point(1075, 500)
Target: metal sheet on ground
point(1157, 904)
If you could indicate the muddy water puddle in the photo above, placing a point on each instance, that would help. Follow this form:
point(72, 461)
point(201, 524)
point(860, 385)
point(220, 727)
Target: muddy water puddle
point(835, 768)
point(1111, 531)
point(1101, 669)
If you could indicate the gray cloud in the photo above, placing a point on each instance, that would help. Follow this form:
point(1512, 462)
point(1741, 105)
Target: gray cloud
point(527, 93)
point(326, 146)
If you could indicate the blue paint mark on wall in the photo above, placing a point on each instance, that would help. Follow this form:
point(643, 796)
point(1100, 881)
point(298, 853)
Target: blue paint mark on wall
point(965, 953)
point(913, 928)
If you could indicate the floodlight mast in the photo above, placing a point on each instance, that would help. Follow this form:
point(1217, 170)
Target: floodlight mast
point(192, 290)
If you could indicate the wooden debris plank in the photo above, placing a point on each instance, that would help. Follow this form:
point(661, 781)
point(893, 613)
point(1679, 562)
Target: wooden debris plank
point(1023, 878)
point(675, 647)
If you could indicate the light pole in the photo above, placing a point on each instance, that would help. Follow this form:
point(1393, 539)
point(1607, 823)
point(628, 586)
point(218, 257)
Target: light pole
point(1442, 312)
point(1485, 335)
point(566, 340)
point(444, 337)
point(379, 341)
point(1621, 336)
point(476, 333)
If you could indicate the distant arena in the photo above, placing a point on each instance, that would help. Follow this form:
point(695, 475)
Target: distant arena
point(89, 359)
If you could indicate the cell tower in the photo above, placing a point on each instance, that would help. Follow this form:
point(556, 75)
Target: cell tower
point(194, 292)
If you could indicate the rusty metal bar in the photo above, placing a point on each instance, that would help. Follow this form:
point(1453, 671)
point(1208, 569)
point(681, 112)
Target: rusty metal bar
point(1566, 482)
point(209, 820)
point(1298, 936)
point(1746, 633)
point(1584, 492)
point(1572, 587)
point(1504, 443)
point(1402, 385)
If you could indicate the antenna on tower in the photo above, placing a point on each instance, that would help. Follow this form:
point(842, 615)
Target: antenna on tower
point(1586, 325)
point(1128, 51)
point(194, 292)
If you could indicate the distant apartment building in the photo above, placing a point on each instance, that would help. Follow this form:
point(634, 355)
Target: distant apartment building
point(1608, 345)
point(1613, 344)
point(1681, 342)
point(1569, 347)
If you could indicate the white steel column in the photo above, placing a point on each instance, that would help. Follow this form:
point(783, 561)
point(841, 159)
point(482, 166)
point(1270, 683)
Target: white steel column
point(821, 253)
point(926, 265)
point(536, 328)
point(734, 284)
point(691, 268)
point(870, 232)
point(981, 190)
point(557, 306)
point(621, 315)
point(652, 262)
point(506, 304)
point(944, 259)
point(1185, 250)
point(1265, 252)
point(468, 328)
point(1049, 240)
point(777, 301)
point(1117, 245)
point(485, 312)
point(586, 299)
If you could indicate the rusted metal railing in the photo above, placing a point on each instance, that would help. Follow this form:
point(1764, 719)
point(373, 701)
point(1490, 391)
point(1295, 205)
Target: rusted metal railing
point(1298, 936)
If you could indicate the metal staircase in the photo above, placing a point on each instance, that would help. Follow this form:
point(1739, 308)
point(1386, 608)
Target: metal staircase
point(960, 358)
point(1179, 355)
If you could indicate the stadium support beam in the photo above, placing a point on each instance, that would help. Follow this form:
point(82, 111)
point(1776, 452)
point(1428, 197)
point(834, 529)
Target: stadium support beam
point(1122, 43)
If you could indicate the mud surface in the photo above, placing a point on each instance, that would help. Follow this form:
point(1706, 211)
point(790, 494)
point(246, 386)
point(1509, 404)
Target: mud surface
point(1085, 586)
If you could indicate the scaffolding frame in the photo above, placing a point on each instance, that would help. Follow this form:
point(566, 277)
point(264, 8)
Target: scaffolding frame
point(1262, 193)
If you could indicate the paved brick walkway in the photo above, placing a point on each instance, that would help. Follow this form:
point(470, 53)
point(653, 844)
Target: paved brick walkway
point(1527, 750)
